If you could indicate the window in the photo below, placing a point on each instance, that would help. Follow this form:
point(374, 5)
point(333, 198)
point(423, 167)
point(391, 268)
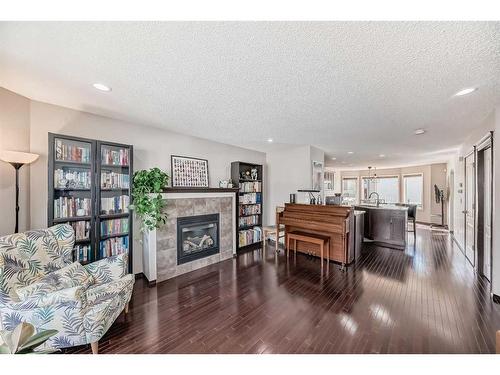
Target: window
point(329, 180)
point(387, 188)
point(350, 190)
point(413, 189)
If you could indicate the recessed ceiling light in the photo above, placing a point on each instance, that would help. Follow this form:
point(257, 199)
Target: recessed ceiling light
point(102, 87)
point(466, 91)
point(350, 152)
point(381, 156)
point(419, 131)
point(334, 158)
point(270, 140)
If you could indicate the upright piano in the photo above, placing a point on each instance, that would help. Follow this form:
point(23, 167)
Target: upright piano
point(336, 222)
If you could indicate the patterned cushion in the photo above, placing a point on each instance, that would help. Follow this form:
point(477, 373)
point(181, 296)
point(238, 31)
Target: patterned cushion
point(68, 277)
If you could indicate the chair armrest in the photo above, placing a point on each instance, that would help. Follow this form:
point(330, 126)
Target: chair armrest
point(70, 297)
point(108, 269)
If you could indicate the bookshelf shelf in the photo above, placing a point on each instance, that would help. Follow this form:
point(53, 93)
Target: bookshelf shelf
point(249, 228)
point(58, 220)
point(83, 163)
point(114, 216)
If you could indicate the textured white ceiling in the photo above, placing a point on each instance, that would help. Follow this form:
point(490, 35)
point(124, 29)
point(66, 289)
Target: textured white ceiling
point(341, 86)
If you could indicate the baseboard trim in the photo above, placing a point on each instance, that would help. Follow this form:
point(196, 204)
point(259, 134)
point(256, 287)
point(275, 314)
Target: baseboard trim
point(141, 275)
point(456, 241)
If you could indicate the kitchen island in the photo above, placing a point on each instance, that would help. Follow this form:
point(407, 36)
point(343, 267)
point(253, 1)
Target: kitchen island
point(385, 225)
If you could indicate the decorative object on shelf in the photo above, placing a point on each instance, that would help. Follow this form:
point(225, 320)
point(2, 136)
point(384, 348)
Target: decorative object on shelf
point(253, 174)
point(312, 198)
point(230, 184)
point(17, 160)
point(293, 198)
point(223, 184)
point(148, 202)
point(189, 172)
point(24, 340)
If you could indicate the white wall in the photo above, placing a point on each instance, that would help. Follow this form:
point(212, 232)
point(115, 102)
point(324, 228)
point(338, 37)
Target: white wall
point(14, 136)
point(152, 148)
point(432, 174)
point(288, 170)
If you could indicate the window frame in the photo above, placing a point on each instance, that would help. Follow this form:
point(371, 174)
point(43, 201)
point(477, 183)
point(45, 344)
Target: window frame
point(419, 207)
point(356, 178)
point(379, 177)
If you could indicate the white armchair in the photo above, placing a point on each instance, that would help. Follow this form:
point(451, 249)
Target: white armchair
point(40, 285)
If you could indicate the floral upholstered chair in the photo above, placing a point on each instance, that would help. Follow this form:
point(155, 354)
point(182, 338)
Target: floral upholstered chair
point(40, 285)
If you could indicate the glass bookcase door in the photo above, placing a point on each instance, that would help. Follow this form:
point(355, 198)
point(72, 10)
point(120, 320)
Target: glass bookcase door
point(114, 181)
point(72, 191)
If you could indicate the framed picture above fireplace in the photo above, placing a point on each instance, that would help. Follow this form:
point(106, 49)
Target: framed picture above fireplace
point(189, 172)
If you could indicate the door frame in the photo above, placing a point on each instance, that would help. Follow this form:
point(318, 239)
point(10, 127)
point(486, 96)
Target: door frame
point(472, 153)
point(485, 143)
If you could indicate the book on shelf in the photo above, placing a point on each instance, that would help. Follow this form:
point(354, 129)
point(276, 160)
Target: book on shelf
point(81, 229)
point(113, 180)
point(249, 236)
point(113, 246)
point(82, 253)
point(250, 187)
point(114, 205)
point(115, 157)
point(253, 209)
point(65, 152)
point(246, 221)
point(250, 198)
point(66, 207)
point(114, 226)
point(68, 178)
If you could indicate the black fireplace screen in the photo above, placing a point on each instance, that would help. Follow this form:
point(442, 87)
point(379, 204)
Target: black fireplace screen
point(197, 237)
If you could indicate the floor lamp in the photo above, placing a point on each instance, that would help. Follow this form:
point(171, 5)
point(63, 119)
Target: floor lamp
point(17, 160)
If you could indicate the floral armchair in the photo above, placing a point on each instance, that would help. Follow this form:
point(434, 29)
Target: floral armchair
point(40, 285)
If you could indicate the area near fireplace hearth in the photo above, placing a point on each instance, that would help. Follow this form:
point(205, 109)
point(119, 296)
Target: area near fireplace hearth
point(200, 230)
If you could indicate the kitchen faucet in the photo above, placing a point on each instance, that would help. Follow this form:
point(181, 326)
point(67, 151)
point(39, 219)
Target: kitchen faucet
point(378, 197)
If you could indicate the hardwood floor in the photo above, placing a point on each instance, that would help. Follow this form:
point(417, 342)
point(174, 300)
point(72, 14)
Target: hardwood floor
point(425, 299)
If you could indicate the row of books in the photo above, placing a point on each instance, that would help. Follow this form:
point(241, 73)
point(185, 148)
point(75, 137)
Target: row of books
point(113, 180)
point(67, 178)
point(114, 226)
point(251, 187)
point(115, 205)
point(65, 152)
point(71, 207)
point(82, 229)
point(250, 236)
point(113, 246)
point(250, 198)
point(246, 221)
point(82, 253)
point(115, 157)
point(250, 210)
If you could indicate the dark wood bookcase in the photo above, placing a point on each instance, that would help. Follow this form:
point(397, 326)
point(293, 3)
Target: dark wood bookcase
point(90, 185)
point(249, 211)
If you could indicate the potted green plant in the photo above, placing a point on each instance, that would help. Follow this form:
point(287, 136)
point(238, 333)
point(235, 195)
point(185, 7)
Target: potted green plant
point(148, 203)
point(23, 340)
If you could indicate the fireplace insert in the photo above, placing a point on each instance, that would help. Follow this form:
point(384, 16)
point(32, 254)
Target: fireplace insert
point(197, 237)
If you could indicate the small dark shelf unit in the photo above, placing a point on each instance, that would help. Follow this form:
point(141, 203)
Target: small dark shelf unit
point(84, 160)
point(237, 169)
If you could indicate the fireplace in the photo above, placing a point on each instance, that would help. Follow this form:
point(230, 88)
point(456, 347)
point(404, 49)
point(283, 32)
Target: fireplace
point(197, 237)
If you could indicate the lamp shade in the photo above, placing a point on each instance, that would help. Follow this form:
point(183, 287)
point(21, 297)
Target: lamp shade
point(18, 157)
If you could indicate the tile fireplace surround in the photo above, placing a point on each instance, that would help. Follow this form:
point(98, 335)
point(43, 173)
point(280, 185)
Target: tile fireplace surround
point(160, 246)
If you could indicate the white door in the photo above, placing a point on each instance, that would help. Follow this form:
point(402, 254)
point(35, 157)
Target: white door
point(469, 209)
point(487, 213)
